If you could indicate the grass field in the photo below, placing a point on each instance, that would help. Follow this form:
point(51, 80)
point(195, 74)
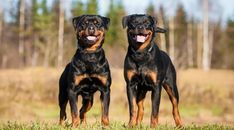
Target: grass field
point(28, 100)
point(113, 126)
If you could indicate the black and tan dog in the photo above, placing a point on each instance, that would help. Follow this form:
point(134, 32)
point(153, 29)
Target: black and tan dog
point(147, 68)
point(87, 72)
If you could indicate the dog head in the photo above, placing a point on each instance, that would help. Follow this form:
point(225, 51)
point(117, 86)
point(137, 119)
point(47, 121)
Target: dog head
point(90, 30)
point(141, 30)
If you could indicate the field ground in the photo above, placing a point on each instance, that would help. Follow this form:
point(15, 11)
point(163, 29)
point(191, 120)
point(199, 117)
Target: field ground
point(28, 99)
point(112, 126)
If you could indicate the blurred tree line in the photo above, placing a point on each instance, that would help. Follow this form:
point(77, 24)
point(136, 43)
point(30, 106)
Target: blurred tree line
point(38, 35)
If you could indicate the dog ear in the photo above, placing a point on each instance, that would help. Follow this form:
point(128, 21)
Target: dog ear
point(76, 20)
point(106, 22)
point(157, 29)
point(160, 30)
point(125, 20)
point(154, 22)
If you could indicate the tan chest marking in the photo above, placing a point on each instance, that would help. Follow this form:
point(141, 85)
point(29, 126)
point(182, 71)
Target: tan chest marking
point(79, 78)
point(103, 79)
point(130, 74)
point(152, 75)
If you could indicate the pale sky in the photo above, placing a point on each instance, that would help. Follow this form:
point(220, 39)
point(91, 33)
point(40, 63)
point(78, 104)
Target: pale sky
point(218, 8)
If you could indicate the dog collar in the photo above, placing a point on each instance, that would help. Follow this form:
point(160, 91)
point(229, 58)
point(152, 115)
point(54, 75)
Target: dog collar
point(141, 57)
point(80, 49)
point(149, 50)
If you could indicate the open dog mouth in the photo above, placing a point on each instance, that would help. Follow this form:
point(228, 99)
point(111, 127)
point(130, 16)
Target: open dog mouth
point(93, 37)
point(140, 37)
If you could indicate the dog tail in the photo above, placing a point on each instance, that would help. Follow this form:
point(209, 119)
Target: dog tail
point(175, 92)
point(63, 96)
point(175, 89)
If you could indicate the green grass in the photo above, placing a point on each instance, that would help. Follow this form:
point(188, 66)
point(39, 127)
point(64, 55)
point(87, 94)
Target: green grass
point(113, 126)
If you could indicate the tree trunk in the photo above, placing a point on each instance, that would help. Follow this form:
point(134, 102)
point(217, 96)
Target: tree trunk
point(199, 45)
point(211, 38)
point(60, 34)
point(190, 44)
point(34, 57)
point(47, 53)
point(34, 51)
point(4, 61)
point(171, 38)
point(1, 23)
point(162, 35)
point(21, 31)
point(205, 59)
point(3, 46)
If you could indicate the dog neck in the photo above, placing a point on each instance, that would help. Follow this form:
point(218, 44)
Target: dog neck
point(80, 49)
point(143, 56)
point(148, 49)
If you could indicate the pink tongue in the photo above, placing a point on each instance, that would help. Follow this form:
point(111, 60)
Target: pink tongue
point(140, 38)
point(91, 38)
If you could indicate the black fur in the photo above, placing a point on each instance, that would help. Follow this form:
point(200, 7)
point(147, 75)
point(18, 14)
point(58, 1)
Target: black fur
point(147, 68)
point(88, 70)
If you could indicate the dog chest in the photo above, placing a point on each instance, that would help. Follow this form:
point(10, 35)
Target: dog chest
point(90, 79)
point(143, 76)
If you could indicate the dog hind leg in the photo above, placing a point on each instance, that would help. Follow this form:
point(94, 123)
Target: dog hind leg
point(174, 98)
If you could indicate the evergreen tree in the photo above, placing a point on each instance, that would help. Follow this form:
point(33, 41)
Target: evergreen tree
point(150, 9)
point(42, 27)
point(92, 7)
point(77, 8)
point(180, 37)
point(217, 59)
point(116, 35)
point(160, 38)
point(228, 46)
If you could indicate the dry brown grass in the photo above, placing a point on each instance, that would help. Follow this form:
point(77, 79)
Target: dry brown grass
point(31, 94)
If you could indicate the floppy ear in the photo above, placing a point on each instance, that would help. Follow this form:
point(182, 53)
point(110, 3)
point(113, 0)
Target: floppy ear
point(160, 30)
point(125, 20)
point(76, 20)
point(106, 22)
point(154, 22)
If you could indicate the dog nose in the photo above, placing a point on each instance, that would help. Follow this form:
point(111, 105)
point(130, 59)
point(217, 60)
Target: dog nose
point(91, 30)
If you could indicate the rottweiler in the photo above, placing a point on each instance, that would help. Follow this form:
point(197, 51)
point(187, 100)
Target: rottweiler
point(147, 68)
point(87, 72)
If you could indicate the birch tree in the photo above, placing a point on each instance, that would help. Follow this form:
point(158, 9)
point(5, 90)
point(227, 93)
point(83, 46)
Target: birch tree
point(60, 34)
point(171, 38)
point(21, 29)
point(199, 45)
point(1, 23)
point(205, 57)
point(190, 44)
point(3, 46)
point(161, 24)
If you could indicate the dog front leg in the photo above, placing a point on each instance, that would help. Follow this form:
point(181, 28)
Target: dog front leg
point(87, 103)
point(105, 102)
point(131, 93)
point(155, 98)
point(140, 104)
point(72, 97)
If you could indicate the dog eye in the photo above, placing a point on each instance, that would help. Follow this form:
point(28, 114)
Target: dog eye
point(146, 22)
point(97, 24)
point(83, 24)
point(132, 25)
